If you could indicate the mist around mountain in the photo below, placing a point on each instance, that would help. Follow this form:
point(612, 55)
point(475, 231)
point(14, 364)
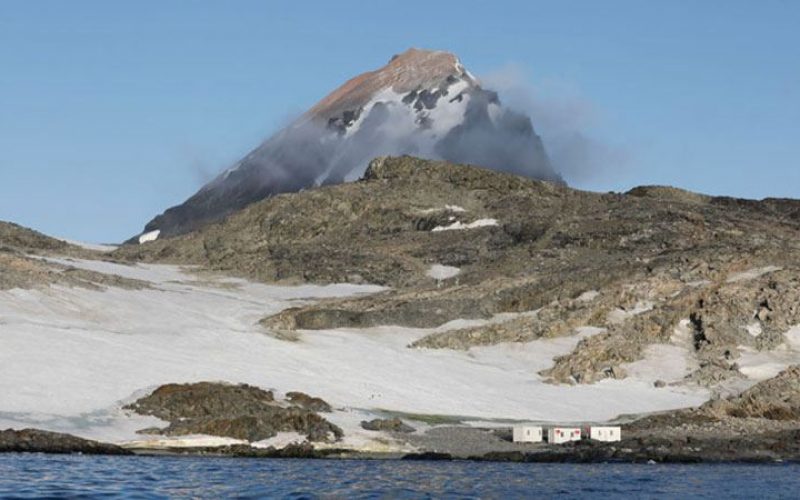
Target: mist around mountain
point(422, 103)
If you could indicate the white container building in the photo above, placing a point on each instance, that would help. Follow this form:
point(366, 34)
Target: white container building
point(528, 434)
point(558, 435)
point(607, 434)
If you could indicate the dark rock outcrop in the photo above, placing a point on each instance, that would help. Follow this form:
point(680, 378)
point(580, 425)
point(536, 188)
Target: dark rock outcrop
point(236, 411)
point(37, 441)
point(428, 456)
point(311, 403)
point(301, 450)
point(387, 425)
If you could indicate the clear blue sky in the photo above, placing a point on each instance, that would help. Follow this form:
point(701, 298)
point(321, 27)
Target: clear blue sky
point(112, 111)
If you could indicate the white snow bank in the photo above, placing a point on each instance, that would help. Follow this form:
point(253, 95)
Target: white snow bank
point(669, 363)
point(70, 358)
point(151, 236)
point(97, 247)
point(588, 296)
point(440, 272)
point(754, 328)
point(199, 440)
point(448, 208)
point(762, 365)
point(793, 338)
point(461, 225)
point(682, 334)
point(145, 272)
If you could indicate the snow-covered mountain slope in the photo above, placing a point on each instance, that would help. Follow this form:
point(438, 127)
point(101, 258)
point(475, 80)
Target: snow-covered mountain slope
point(422, 103)
point(72, 357)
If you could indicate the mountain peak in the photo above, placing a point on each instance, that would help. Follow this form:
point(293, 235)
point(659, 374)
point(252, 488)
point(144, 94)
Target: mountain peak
point(422, 103)
point(414, 69)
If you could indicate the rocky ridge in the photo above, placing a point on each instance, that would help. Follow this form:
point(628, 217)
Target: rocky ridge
point(24, 264)
point(652, 266)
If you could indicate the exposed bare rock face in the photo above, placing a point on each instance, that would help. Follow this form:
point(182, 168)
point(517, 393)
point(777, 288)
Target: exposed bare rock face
point(720, 318)
point(14, 237)
point(771, 406)
point(775, 399)
point(422, 102)
point(235, 411)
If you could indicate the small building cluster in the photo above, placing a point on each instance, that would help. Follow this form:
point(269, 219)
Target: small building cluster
point(560, 435)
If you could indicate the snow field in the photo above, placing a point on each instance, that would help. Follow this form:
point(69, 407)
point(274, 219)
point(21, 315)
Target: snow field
point(71, 357)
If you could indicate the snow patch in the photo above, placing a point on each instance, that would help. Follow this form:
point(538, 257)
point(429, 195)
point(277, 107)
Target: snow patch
point(460, 225)
point(447, 115)
point(454, 208)
point(190, 441)
point(358, 438)
point(151, 236)
point(68, 353)
point(620, 315)
point(670, 363)
point(682, 334)
point(280, 440)
point(448, 208)
point(762, 365)
point(752, 274)
point(588, 296)
point(793, 337)
point(97, 247)
point(440, 272)
point(754, 328)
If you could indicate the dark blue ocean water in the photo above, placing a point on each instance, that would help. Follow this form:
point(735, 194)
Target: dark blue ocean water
point(73, 476)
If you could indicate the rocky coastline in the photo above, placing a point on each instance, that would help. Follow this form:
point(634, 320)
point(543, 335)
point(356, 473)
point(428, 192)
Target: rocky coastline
point(759, 425)
point(779, 446)
point(39, 441)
